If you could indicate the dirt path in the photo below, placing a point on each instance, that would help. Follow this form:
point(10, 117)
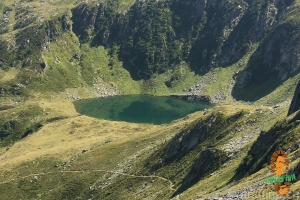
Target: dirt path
point(95, 170)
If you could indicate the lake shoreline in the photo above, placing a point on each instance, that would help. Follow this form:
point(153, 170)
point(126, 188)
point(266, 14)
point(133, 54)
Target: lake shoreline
point(200, 98)
point(141, 108)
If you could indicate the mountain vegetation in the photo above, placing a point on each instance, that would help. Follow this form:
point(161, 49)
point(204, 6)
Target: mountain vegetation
point(242, 55)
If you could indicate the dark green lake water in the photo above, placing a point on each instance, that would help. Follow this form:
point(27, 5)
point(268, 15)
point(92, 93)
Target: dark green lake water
point(139, 108)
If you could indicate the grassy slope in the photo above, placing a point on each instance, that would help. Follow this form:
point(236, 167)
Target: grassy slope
point(95, 64)
point(79, 73)
point(58, 142)
point(116, 153)
point(63, 71)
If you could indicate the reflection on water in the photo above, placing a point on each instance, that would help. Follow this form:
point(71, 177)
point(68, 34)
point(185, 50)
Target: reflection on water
point(138, 108)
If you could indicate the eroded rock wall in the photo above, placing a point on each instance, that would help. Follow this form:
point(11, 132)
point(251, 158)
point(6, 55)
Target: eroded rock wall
point(295, 105)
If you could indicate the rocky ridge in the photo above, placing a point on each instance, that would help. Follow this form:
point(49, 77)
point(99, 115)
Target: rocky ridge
point(295, 105)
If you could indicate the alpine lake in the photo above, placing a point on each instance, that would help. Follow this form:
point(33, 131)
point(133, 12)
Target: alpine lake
point(139, 108)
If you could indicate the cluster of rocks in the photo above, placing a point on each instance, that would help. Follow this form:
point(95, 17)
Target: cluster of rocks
point(194, 97)
point(196, 89)
point(240, 194)
point(236, 144)
point(72, 96)
point(108, 92)
point(105, 182)
point(199, 87)
point(241, 64)
point(219, 96)
point(102, 89)
point(24, 20)
point(4, 22)
point(97, 90)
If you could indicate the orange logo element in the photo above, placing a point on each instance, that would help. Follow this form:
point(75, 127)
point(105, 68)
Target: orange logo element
point(283, 189)
point(279, 167)
point(279, 163)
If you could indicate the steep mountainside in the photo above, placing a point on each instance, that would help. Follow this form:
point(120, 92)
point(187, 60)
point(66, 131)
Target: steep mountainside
point(153, 37)
point(242, 55)
point(207, 34)
point(295, 105)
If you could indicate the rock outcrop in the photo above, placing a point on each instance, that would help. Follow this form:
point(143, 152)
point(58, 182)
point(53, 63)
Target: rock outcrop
point(188, 139)
point(209, 160)
point(275, 60)
point(296, 171)
point(156, 35)
point(201, 98)
point(295, 105)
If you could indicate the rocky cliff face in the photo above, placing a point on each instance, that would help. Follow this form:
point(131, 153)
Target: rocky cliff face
point(90, 22)
point(255, 19)
point(154, 36)
point(26, 51)
point(276, 59)
point(29, 43)
point(186, 140)
point(209, 160)
point(278, 137)
point(295, 105)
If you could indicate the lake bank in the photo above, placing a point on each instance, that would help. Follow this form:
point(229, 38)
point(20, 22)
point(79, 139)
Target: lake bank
point(139, 108)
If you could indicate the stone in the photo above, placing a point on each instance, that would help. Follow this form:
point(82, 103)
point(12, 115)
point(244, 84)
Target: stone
point(84, 150)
